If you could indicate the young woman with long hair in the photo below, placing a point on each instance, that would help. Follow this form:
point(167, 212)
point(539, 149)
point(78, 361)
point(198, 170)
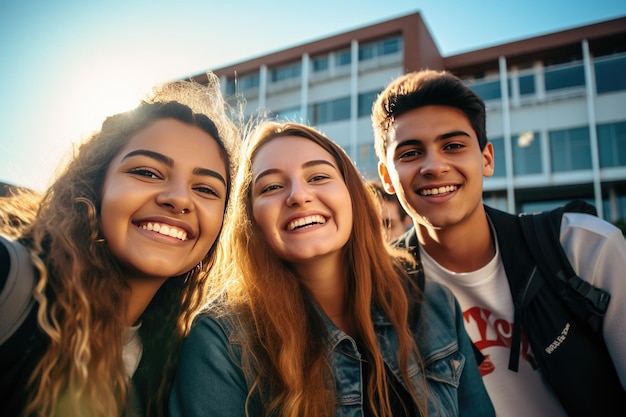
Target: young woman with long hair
point(122, 245)
point(315, 315)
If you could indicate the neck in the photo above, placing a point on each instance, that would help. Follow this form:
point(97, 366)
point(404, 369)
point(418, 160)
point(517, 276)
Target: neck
point(143, 290)
point(459, 248)
point(327, 282)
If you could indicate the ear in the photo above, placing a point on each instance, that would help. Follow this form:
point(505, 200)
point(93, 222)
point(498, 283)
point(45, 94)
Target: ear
point(383, 173)
point(488, 160)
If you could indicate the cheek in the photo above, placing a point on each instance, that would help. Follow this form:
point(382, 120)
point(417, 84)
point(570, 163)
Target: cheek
point(213, 219)
point(110, 215)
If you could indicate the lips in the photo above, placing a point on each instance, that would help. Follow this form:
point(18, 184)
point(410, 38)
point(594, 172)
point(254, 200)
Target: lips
point(165, 229)
point(305, 221)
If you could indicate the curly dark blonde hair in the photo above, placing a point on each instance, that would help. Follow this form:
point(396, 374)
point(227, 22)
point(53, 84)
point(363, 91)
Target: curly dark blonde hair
point(81, 289)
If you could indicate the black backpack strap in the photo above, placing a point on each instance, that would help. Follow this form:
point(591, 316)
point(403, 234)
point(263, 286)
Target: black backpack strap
point(542, 233)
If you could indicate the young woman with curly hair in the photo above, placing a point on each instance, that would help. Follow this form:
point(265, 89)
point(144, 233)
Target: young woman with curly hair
point(122, 246)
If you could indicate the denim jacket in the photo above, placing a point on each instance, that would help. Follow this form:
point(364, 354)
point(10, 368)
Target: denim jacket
point(210, 381)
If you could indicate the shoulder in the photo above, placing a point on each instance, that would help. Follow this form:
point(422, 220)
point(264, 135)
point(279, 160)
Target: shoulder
point(439, 304)
point(588, 224)
point(211, 326)
point(16, 299)
point(587, 236)
point(595, 248)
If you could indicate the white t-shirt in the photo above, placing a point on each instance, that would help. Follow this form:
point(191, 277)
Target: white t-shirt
point(597, 252)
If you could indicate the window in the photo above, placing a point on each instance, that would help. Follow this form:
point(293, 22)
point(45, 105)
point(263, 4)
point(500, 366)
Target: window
point(367, 162)
point(389, 46)
point(292, 115)
point(498, 157)
point(366, 100)
point(242, 84)
point(330, 111)
point(249, 82)
point(489, 90)
point(320, 63)
point(527, 84)
point(367, 52)
point(286, 72)
point(230, 87)
point(570, 149)
point(526, 153)
point(610, 74)
point(612, 144)
point(383, 47)
point(564, 77)
point(343, 58)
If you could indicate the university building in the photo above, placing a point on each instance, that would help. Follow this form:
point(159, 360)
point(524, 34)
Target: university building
point(556, 103)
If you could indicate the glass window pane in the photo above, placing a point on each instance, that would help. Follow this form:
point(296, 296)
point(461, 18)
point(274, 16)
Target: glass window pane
point(499, 162)
point(343, 58)
point(570, 149)
point(230, 87)
point(527, 84)
point(366, 52)
point(487, 90)
point(526, 153)
point(610, 74)
point(340, 109)
point(612, 144)
point(365, 103)
point(289, 115)
point(389, 46)
point(320, 64)
point(573, 76)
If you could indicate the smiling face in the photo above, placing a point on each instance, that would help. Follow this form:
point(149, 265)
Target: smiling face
point(163, 199)
point(435, 165)
point(300, 200)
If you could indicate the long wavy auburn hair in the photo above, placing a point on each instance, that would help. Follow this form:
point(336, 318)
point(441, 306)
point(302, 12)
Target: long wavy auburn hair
point(81, 292)
point(285, 354)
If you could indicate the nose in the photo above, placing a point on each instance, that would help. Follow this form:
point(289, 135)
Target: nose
point(299, 194)
point(175, 195)
point(433, 164)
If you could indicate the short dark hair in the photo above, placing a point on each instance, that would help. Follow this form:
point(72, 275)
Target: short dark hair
point(425, 88)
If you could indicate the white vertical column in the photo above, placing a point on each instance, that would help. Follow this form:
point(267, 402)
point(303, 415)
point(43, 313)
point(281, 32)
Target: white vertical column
point(262, 87)
point(354, 99)
point(506, 130)
point(304, 87)
point(590, 89)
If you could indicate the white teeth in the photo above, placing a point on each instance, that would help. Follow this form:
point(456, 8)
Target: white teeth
point(439, 190)
point(304, 221)
point(166, 230)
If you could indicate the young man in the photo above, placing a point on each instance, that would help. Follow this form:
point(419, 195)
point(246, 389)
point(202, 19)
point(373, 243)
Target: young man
point(396, 221)
point(433, 153)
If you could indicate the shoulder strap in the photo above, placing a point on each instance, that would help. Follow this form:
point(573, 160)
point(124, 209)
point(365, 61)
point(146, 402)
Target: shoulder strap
point(542, 233)
point(16, 299)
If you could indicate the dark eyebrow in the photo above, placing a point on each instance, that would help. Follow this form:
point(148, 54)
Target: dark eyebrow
point(444, 136)
point(307, 164)
point(170, 163)
point(151, 154)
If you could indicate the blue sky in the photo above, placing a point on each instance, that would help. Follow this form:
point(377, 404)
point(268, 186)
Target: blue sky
point(67, 64)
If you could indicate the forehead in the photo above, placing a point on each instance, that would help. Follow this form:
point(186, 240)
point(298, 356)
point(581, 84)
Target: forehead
point(185, 144)
point(429, 121)
point(289, 152)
